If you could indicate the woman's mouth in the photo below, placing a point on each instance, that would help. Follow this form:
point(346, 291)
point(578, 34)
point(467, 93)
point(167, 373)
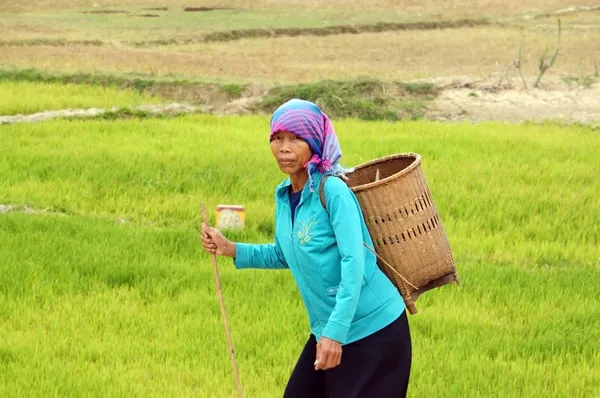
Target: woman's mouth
point(286, 162)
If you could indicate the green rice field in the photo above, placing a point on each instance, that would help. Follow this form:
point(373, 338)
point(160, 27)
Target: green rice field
point(105, 291)
point(29, 97)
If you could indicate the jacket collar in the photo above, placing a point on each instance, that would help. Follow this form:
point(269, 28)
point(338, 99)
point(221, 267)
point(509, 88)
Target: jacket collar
point(282, 189)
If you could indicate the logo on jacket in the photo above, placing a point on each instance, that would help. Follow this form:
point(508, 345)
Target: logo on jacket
point(304, 231)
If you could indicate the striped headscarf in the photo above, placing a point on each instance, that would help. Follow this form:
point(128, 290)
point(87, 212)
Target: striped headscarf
point(306, 120)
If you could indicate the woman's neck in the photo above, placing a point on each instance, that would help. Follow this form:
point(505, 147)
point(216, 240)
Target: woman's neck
point(298, 180)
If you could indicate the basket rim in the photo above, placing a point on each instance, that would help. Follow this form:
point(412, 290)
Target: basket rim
point(403, 155)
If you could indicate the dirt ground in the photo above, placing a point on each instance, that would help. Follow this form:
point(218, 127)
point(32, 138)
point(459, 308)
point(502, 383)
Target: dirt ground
point(481, 101)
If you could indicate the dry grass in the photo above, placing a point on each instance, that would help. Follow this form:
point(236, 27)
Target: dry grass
point(463, 7)
point(176, 24)
point(576, 19)
point(477, 52)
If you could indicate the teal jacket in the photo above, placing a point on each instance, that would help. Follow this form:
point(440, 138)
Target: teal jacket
point(346, 295)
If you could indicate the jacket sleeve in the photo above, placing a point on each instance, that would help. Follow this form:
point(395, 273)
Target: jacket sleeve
point(345, 218)
point(264, 256)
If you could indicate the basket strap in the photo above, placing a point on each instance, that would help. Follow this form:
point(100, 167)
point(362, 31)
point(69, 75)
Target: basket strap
point(324, 203)
point(390, 267)
point(322, 192)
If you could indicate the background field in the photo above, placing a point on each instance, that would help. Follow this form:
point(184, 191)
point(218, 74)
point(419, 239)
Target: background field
point(104, 290)
point(74, 37)
point(254, 47)
point(477, 52)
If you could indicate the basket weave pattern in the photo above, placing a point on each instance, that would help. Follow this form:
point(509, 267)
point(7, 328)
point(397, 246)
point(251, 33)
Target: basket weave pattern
point(404, 225)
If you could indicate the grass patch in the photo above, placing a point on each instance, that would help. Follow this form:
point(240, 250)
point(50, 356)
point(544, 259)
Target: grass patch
point(108, 293)
point(420, 88)
point(26, 97)
point(366, 99)
point(139, 83)
point(583, 81)
point(233, 90)
point(38, 76)
point(191, 91)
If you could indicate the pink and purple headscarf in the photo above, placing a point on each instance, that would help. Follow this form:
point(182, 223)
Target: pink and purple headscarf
point(306, 120)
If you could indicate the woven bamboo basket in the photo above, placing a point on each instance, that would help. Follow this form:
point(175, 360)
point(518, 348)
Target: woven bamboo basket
point(404, 225)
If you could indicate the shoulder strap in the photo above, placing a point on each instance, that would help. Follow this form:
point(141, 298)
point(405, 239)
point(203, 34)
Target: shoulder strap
point(322, 192)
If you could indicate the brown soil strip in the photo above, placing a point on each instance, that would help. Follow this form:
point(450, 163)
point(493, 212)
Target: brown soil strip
point(156, 8)
point(325, 31)
point(339, 30)
point(203, 9)
point(106, 12)
point(232, 35)
point(51, 42)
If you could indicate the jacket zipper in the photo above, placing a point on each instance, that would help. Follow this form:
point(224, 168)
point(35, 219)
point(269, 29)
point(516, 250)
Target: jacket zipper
point(296, 258)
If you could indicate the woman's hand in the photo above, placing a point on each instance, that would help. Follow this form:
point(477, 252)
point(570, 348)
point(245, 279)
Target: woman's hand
point(214, 242)
point(329, 354)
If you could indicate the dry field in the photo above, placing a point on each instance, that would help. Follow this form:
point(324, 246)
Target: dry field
point(480, 52)
point(137, 24)
point(461, 7)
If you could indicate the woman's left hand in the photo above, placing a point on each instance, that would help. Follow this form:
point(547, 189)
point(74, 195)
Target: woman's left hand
point(329, 354)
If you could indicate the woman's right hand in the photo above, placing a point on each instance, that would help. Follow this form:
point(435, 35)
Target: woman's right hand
point(214, 242)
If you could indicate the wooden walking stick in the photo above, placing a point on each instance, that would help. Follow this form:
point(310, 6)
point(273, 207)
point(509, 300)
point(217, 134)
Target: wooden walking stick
point(223, 312)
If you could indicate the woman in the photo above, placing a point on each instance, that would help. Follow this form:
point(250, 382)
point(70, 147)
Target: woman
point(360, 343)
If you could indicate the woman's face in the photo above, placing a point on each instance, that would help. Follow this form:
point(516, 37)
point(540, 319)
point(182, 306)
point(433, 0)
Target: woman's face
point(291, 152)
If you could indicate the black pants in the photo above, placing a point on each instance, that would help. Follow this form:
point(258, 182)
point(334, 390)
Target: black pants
point(377, 366)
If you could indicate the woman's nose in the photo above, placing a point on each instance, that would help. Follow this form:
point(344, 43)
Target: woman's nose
point(285, 146)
